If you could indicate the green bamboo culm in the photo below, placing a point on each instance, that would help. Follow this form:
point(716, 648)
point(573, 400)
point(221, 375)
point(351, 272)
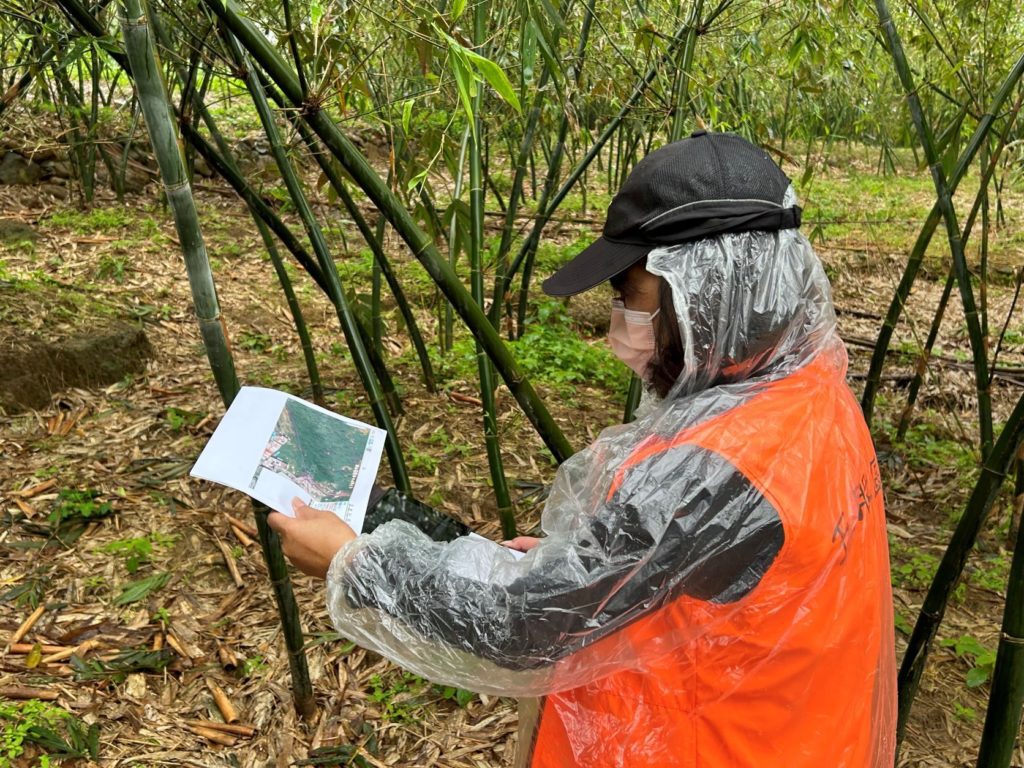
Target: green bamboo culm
point(549, 203)
point(145, 70)
point(301, 329)
point(354, 335)
point(933, 332)
point(1005, 702)
point(633, 393)
point(506, 513)
point(381, 260)
point(944, 193)
point(422, 246)
point(682, 74)
point(993, 475)
point(152, 96)
point(917, 251)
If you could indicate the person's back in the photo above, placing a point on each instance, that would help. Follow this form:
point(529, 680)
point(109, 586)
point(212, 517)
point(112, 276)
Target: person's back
point(797, 672)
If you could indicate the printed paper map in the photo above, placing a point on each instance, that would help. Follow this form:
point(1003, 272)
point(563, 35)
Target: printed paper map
point(274, 446)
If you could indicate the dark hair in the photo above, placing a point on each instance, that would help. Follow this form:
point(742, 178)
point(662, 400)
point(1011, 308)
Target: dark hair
point(669, 355)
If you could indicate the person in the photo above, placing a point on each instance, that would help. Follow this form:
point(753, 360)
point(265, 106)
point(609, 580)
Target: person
point(712, 587)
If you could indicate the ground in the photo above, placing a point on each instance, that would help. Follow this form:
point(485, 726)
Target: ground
point(137, 553)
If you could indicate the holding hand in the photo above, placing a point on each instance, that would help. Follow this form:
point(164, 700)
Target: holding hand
point(311, 538)
point(521, 543)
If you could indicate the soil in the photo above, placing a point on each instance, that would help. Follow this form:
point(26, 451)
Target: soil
point(214, 624)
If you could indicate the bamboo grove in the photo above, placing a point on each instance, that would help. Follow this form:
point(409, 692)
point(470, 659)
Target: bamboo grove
point(571, 94)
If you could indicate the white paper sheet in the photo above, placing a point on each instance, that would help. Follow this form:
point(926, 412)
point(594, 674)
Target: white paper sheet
point(274, 447)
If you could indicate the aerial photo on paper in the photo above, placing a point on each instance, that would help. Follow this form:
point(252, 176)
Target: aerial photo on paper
point(321, 456)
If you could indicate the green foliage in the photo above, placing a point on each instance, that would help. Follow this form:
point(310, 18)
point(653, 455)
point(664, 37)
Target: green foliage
point(912, 568)
point(399, 696)
point(128, 661)
point(111, 267)
point(552, 352)
point(95, 220)
point(254, 341)
point(460, 696)
point(137, 551)
point(57, 733)
point(252, 666)
point(179, 420)
point(78, 506)
point(982, 660)
point(143, 588)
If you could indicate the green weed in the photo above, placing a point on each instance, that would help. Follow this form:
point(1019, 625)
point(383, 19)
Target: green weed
point(912, 568)
point(252, 666)
point(112, 267)
point(94, 220)
point(178, 419)
point(398, 698)
point(77, 507)
point(982, 660)
point(137, 551)
point(143, 588)
point(254, 342)
point(58, 733)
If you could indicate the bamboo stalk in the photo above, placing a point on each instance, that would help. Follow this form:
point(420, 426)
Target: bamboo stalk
point(419, 242)
point(152, 95)
point(236, 729)
point(920, 246)
point(375, 245)
point(1006, 700)
point(545, 208)
point(349, 324)
point(922, 364)
point(682, 74)
point(301, 329)
point(632, 398)
point(25, 692)
point(974, 326)
point(993, 474)
point(27, 624)
point(224, 705)
point(506, 512)
point(224, 739)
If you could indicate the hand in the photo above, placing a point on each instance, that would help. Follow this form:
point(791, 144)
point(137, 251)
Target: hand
point(521, 543)
point(311, 538)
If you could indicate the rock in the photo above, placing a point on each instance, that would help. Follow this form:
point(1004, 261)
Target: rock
point(56, 189)
point(61, 169)
point(14, 232)
point(591, 310)
point(32, 369)
point(15, 169)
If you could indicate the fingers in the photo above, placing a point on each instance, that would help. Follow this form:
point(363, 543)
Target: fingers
point(278, 522)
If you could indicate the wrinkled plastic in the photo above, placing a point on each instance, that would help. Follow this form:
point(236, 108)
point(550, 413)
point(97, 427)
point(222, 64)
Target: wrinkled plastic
point(720, 564)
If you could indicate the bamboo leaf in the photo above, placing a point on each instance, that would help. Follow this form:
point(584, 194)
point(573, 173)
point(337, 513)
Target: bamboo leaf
point(496, 77)
point(406, 115)
point(457, 8)
point(139, 590)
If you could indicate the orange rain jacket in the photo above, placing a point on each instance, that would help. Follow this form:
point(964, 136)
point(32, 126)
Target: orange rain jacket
point(713, 587)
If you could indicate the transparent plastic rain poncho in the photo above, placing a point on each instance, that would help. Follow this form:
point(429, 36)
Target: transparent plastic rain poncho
point(720, 564)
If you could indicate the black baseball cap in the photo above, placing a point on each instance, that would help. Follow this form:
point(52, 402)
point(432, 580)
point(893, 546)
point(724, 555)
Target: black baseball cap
point(704, 185)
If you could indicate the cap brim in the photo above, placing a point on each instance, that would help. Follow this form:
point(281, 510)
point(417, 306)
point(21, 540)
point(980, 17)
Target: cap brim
point(601, 260)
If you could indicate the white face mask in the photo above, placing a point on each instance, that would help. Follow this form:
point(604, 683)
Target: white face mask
point(631, 336)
